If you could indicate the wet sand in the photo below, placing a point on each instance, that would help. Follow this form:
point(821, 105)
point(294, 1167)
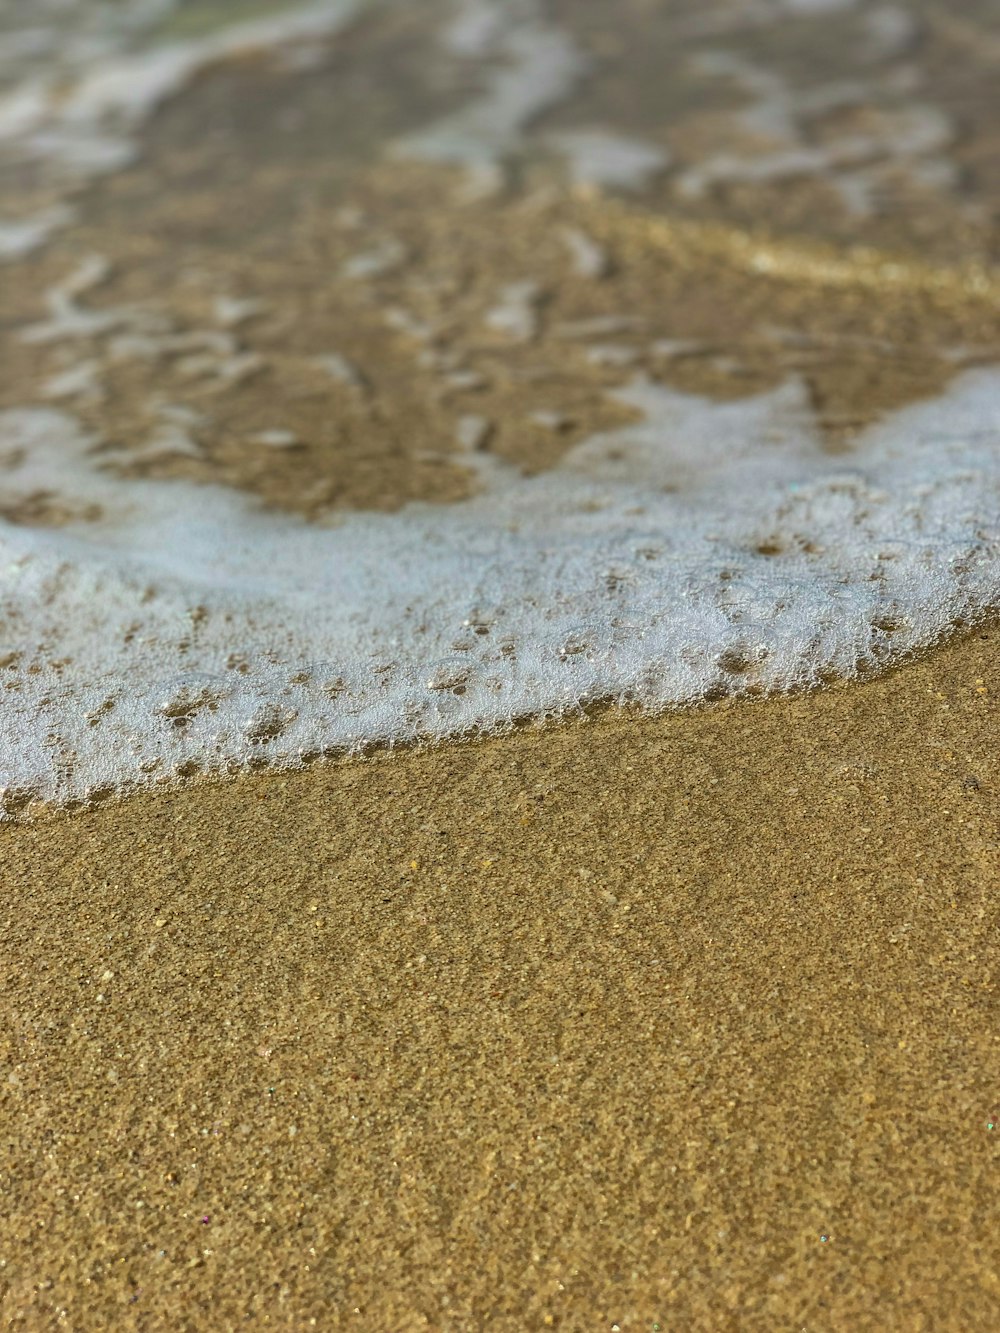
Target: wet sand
point(676, 1023)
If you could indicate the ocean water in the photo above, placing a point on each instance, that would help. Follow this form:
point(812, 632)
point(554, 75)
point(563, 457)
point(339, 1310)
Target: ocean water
point(376, 375)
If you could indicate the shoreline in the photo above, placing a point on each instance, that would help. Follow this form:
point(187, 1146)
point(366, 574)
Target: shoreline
point(586, 711)
point(380, 383)
point(686, 1020)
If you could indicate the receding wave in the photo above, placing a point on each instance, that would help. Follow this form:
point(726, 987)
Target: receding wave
point(672, 538)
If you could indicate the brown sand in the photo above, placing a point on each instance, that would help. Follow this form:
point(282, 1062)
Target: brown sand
point(678, 1023)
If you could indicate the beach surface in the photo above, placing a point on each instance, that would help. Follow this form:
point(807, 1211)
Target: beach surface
point(470, 374)
point(685, 1022)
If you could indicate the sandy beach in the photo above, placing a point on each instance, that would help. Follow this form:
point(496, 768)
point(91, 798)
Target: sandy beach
point(375, 371)
point(652, 1023)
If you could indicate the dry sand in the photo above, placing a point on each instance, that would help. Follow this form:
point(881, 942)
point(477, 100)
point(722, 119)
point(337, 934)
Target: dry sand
point(677, 1023)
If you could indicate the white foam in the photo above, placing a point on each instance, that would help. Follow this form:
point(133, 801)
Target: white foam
point(516, 312)
point(590, 260)
point(79, 115)
point(160, 627)
point(540, 66)
point(910, 139)
point(132, 86)
point(712, 547)
point(601, 158)
point(529, 67)
point(19, 238)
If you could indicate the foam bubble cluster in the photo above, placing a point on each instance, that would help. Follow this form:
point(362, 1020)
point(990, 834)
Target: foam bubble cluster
point(710, 549)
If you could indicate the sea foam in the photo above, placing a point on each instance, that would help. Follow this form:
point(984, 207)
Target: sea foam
point(155, 629)
point(713, 548)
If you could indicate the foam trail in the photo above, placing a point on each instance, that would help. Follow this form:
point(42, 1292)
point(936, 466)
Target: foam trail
point(541, 67)
point(20, 238)
point(79, 115)
point(710, 548)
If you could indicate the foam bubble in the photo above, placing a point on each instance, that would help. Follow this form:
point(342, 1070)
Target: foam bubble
point(617, 161)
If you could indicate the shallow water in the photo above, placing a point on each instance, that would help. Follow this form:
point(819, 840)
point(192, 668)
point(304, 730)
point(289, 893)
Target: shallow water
point(374, 373)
